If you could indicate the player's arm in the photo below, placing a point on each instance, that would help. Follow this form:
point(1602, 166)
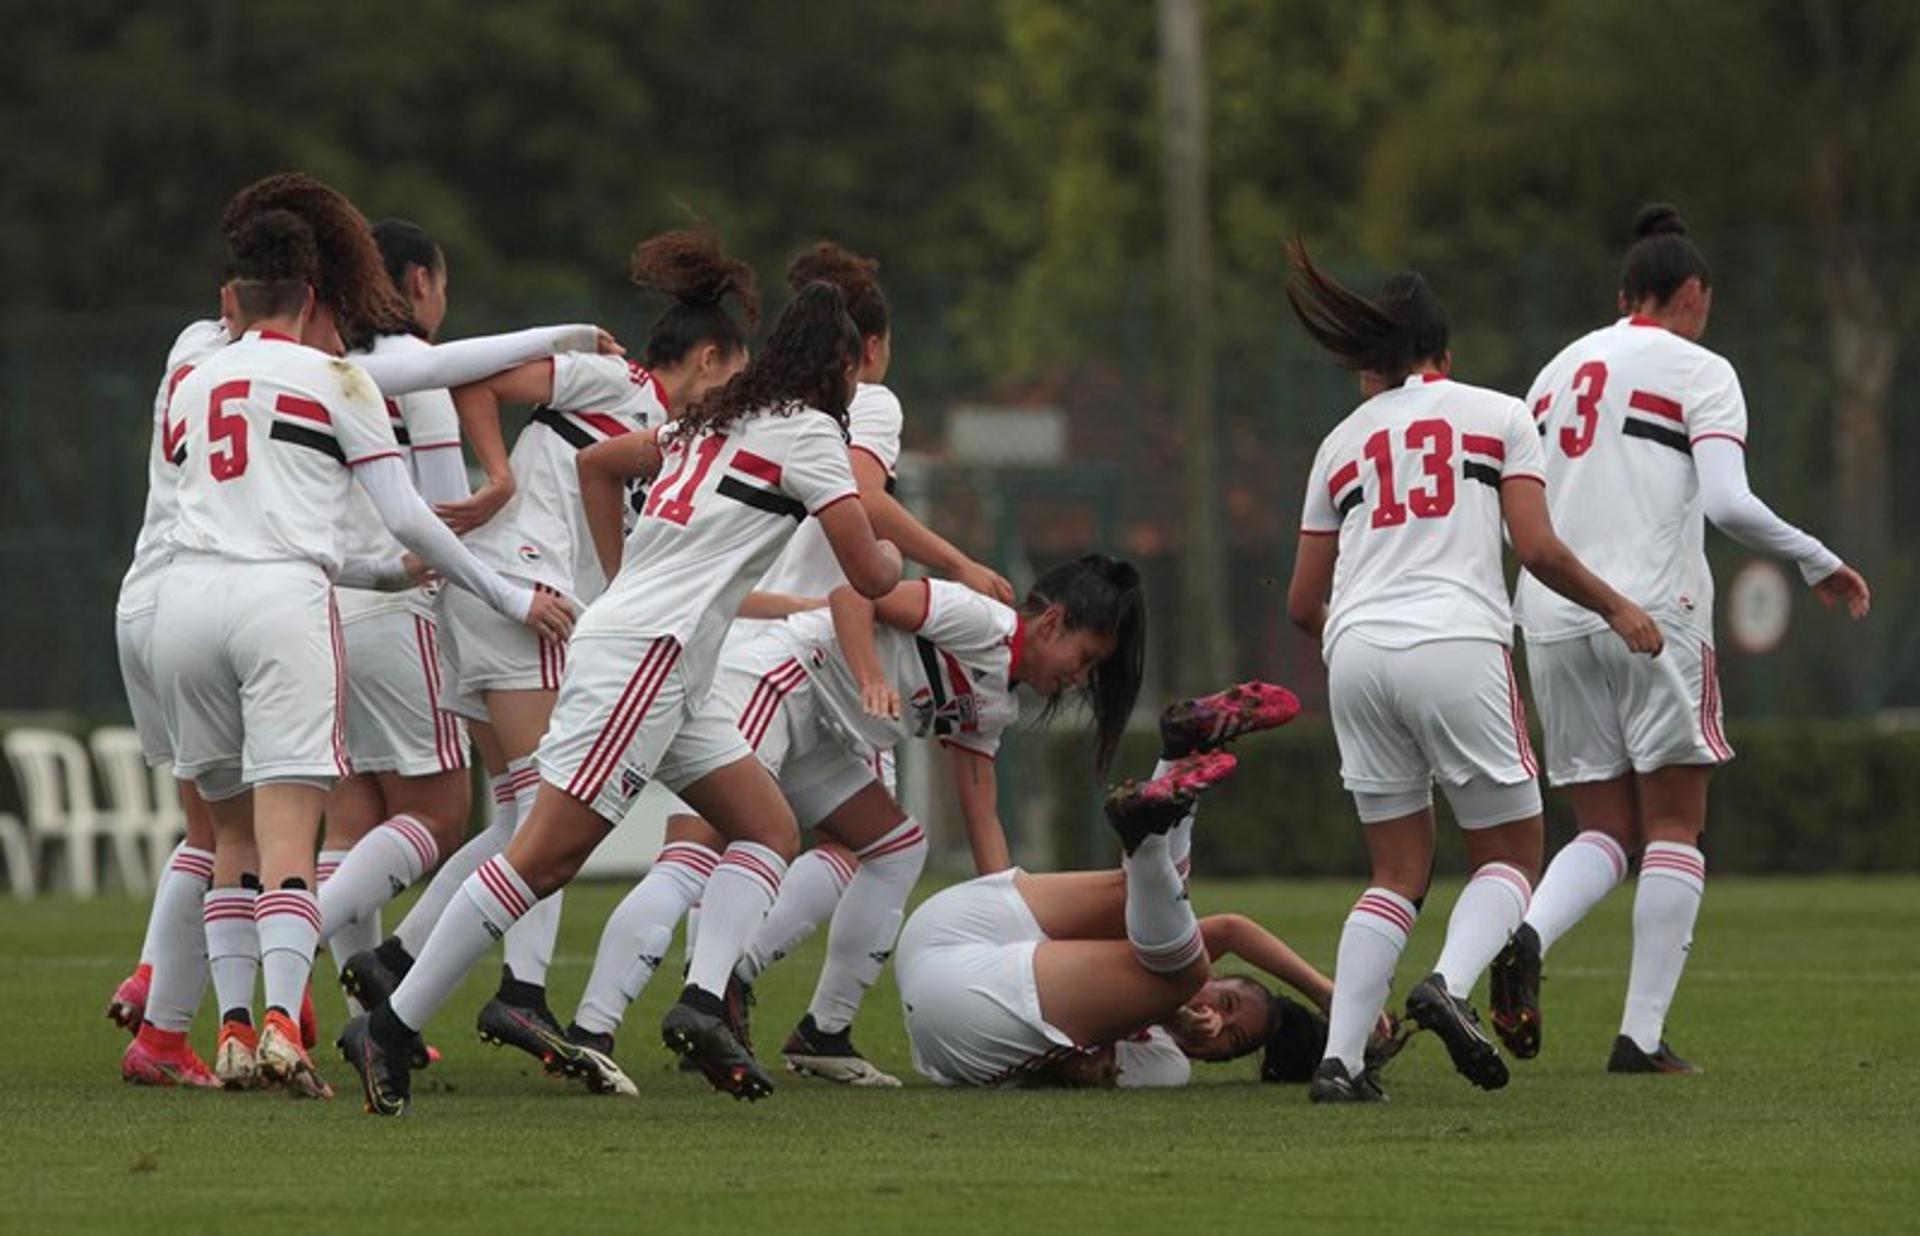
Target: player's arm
point(1523, 504)
point(1236, 935)
point(978, 789)
point(917, 542)
point(853, 618)
point(771, 606)
point(1729, 501)
point(606, 468)
point(872, 566)
point(1312, 581)
point(470, 360)
point(478, 406)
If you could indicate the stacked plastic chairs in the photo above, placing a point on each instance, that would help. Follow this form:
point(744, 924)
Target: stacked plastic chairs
point(64, 831)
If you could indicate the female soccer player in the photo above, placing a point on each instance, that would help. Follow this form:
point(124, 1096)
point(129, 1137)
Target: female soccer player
point(245, 639)
point(1402, 525)
point(1645, 433)
point(743, 468)
point(507, 681)
point(816, 697)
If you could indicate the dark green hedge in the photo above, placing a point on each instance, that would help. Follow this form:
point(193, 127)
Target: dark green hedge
point(1801, 797)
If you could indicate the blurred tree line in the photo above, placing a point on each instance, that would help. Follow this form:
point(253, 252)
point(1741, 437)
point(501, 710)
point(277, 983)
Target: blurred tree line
point(1003, 160)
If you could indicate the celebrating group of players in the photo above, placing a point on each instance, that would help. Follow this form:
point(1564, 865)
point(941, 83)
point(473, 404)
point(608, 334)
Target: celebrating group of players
point(688, 569)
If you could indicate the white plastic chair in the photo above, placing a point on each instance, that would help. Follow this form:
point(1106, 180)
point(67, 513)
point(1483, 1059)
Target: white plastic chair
point(133, 794)
point(19, 855)
point(56, 789)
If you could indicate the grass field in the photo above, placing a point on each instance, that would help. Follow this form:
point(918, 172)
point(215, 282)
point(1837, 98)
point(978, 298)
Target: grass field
point(1800, 1003)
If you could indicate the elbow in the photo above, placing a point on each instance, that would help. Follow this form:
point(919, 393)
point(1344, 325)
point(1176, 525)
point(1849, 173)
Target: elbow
point(1302, 613)
point(1541, 555)
point(879, 574)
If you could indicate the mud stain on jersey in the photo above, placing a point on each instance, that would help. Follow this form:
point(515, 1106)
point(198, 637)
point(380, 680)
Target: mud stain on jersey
point(355, 385)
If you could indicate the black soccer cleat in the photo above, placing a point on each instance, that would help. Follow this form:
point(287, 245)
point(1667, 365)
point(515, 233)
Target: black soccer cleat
point(1513, 997)
point(386, 1081)
point(1332, 1084)
point(371, 974)
point(1431, 1007)
point(1141, 809)
point(696, 1029)
point(1627, 1057)
point(739, 1001)
point(530, 1028)
point(1208, 722)
point(813, 1052)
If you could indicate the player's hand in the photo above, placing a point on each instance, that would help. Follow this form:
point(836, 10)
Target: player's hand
point(1197, 1022)
point(984, 580)
point(1641, 633)
point(1845, 587)
point(550, 617)
point(879, 699)
point(468, 513)
point(606, 344)
point(419, 574)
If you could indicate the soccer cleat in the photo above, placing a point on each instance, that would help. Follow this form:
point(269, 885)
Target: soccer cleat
point(368, 977)
point(812, 1052)
point(696, 1029)
point(309, 1023)
point(158, 1058)
point(588, 1057)
point(1208, 722)
point(1628, 1057)
point(236, 1056)
point(1513, 997)
point(385, 1081)
point(739, 1001)
point(1383, 1047)
point(1331, 1084)
point(530, 1028)
point(129, 1003)
point(1141, 809)
point(1431, 1007)
point(284, 1061)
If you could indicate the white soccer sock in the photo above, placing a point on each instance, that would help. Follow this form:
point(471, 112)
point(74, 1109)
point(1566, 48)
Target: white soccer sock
point(177, 939)
point(288, 920)
point(1483, 920)
point(1160, 922)
point(1371, 942)
point(637, 934)
point(744, 885)
point(491, 901)
point(1180, 836)
point(866, 924)
point(379, 867)
point(233, 946)
point(530, 945)
point(445, 885)
point(1584, 871)
point(807, 899)
point(1673, 879)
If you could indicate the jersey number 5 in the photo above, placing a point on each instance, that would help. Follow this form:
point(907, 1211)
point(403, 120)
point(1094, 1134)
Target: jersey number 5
point(228, 430)
point(679, 508)
point(1435, 439)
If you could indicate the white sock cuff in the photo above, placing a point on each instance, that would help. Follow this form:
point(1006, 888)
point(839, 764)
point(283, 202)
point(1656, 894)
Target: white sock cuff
point(1673, 861)
point(1386, 913)
point(837, 861)
point(1510, 878)
point(502, 789)
point(228, 904)
point(1608, 846)
point(903, 838)
point(418, 849)
point(192, 863)
point(755, 862)
point(1171, 958)
point(287, 902)
point(499, 893)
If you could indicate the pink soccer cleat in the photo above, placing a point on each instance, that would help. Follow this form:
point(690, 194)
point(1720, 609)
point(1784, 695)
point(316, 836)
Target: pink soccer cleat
point(129, 1004)
point(165, 1058)
point(1141, 809)
point(1208, 722)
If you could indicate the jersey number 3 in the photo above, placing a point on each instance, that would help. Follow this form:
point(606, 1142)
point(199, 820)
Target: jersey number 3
point(1434, 439)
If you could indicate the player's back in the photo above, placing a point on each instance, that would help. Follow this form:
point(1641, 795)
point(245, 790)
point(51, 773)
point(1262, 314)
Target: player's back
point(271, 429)
point(1618, 411)
point(166, 455)
point(1410, 482)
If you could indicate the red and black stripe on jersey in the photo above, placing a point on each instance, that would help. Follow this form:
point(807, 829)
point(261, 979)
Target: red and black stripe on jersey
point(1485, 458)
point(754, 481)
point(1655, 418)
point(958, 711)
point(397, 424)
point(579, 430)
point(297, 422)
point(1344, 488)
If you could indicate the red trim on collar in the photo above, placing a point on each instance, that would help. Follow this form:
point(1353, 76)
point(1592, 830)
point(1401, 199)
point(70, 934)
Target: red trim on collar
point(274, 335)
point(1016, 649)
point(1642, 320)
point(660, 389)
point(1431, 378)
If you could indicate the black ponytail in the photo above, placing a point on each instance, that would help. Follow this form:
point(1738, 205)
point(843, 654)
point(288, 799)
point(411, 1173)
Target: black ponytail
point(1100, 593)
point(404, 245)
point(1661, 259)
point(1387, 335)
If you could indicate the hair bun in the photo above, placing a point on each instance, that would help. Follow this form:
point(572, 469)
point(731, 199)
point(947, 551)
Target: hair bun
point(689, 266)
point(1659, 219)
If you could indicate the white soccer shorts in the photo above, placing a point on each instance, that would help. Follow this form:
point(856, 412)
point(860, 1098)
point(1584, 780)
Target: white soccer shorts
point(133, 635)
point(395, 720)
point(1607, 710)
point(621, 705)
point(491, 652)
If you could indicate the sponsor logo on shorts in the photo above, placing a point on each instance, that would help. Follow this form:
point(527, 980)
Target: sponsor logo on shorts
point(631, 783)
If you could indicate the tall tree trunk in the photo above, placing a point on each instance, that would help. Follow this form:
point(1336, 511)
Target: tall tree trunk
point(1206, 652)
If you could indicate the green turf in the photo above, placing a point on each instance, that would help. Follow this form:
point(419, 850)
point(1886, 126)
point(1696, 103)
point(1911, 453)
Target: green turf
point(1800, 1004)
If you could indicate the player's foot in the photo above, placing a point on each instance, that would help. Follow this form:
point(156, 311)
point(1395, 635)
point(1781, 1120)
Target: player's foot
point(1141, 809)
point(1332, 1084)
point(739, 1001)
point(1432, 1007)
point(284, 1061)
point(129, 1003)
point(1207, 722)
point(236, 1056)
point(159, 1058)
point(371, 975)
point(1627, 1057)
point(588, 1057)
point(309, 1024)
point(1513, 997)
point(812, 1052)
point(385, 1081)
point(696, 1028)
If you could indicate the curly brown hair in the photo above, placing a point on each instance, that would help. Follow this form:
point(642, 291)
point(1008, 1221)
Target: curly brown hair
point(352, 276)
point(858, 279)
point(274, 259)
point(807, 362)
point(689, 266)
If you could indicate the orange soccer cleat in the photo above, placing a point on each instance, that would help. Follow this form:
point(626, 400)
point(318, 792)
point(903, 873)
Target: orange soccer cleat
point(235, 1056)
point(284, 1062)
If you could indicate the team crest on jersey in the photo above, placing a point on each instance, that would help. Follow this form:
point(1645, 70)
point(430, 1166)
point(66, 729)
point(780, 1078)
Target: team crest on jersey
point(943, 716)
point(529, 553)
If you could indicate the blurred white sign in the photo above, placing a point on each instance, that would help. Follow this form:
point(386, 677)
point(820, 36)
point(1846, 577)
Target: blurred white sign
point(1758, 606)
point(990, 435)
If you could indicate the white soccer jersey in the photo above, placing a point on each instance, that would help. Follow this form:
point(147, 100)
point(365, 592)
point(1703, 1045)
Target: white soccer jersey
point(808, 568)
point(1619, 410)
point(541, 535)
point(954, 672)
point(271, 430)
point(424, 420)
point(723, 508)
point(164, 457)
point(1410, 483)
